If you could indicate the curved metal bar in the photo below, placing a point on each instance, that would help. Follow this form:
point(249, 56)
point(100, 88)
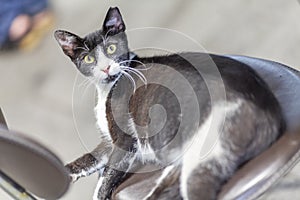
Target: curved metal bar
point(14, 189)
point(262, 172)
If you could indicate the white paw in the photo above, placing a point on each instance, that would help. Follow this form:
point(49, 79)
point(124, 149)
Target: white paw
point(74, 177)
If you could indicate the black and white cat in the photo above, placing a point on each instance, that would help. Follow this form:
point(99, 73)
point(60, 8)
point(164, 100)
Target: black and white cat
point(147, 114)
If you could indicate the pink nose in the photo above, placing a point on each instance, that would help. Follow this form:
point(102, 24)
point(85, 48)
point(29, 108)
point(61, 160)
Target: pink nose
point(106, 70)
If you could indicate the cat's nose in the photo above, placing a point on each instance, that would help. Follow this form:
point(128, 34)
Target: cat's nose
point(106, 70)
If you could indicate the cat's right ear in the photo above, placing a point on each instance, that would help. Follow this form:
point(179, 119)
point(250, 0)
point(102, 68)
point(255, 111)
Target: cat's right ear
point(69, 42)
point(113, 22)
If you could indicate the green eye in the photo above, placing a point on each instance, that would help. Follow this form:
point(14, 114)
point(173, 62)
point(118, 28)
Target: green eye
point(111, 49)
point(89, 59)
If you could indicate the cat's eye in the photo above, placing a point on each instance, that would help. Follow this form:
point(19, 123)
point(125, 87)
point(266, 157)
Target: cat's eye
point(89, 59)
point(111, 49)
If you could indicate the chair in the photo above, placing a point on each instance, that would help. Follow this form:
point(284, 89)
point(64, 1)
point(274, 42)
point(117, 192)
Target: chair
point(256, 176)
point(27, 169)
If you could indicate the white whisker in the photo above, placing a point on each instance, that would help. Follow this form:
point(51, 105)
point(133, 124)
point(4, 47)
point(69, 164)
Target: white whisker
point(106, 35)
point(87, 48)
point(127, 61)
point(103, 39)
point(82, 48)
point(124, 61)
point(131, 79)
point(137, 61)
point(84, 83)
point(137, 73)
point(89, 82)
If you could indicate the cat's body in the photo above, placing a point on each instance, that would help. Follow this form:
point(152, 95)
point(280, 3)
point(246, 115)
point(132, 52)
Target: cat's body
point(243, 114)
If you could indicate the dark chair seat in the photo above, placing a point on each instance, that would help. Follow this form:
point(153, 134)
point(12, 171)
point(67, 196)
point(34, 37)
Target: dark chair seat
point(256, 176)
point(259, 174)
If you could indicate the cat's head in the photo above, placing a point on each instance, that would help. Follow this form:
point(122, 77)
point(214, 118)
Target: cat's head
point(99, 55)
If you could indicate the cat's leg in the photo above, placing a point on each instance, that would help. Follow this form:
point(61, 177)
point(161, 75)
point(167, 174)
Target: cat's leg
point(108, 182)
point(169, 175)
point(246, 132)
point(205, 181)
point(90, 162)
point(119, 167)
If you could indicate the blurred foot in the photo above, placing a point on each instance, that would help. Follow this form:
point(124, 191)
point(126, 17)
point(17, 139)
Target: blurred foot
point(26, 32)
point(19, 27)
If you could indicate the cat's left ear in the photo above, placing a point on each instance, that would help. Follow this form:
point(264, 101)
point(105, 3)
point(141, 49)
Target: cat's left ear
point(113, 23)
point(69, 43)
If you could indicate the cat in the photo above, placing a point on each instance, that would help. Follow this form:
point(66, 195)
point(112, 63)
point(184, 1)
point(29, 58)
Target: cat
point(156, 110)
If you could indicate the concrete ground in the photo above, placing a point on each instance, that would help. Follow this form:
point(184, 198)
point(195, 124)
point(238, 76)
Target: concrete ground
point(43, 96)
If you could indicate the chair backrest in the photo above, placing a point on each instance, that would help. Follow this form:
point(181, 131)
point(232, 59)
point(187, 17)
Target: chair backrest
point(255, 177)
point(284, 83)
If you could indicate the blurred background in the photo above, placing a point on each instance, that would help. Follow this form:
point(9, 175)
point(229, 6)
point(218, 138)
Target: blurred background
point(43, 96)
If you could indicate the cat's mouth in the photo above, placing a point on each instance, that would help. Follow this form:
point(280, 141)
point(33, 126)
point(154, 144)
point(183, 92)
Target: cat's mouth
point(111, 78)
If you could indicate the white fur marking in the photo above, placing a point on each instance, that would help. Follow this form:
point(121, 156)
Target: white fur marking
point(100, 109)
point(103, 89)
point(210, 128)
point(165, 173)
point(102, 63)
point(144, 151)
point(95, 196)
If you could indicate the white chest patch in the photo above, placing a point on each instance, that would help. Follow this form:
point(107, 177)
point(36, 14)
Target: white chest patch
point(144, 151)
point(100, 109)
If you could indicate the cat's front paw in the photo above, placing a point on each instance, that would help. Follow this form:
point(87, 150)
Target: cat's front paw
point(74, 173)
point(74, 177)
point(82, 167)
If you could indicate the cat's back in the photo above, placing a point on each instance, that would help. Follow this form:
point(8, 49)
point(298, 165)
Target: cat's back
point(215, 78)
point(238, 79)
point(248, 99)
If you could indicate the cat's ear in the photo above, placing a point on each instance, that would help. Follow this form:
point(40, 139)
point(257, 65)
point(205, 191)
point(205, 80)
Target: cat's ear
point(69, 42)
point(113, 23)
